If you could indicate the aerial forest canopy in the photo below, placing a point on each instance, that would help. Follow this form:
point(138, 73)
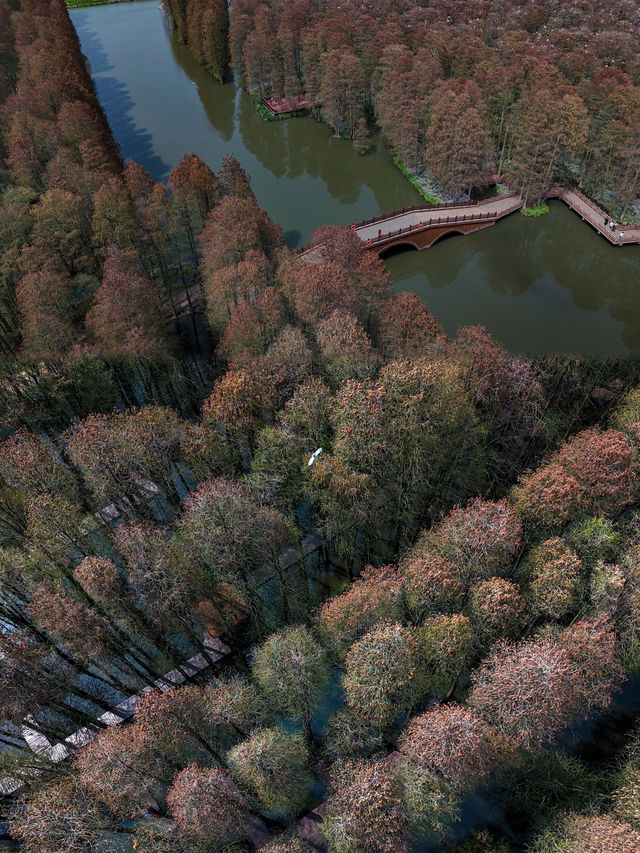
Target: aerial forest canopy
point(533, 90)
point(423, 611)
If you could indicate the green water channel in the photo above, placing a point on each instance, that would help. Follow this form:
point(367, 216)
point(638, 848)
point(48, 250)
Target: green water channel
point(538, 285)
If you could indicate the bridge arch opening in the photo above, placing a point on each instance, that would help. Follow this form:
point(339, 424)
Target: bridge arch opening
point(446, 235)
point(396, 249)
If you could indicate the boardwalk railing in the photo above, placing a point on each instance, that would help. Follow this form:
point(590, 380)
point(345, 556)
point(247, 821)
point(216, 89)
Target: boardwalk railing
point(576, 200)
point(591, 213)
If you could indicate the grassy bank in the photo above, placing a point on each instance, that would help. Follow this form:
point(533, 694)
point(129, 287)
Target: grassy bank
point(78, 4)
point(415, 183)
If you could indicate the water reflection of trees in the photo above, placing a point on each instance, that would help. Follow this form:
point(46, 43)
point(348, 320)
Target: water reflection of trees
point(578, 280)
point(217, 99)
point(301, 146)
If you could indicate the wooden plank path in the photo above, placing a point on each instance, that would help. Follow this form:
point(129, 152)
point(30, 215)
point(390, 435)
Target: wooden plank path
point(470, 216)
point(40, 744)
point(416, 218)
point(595, 216)
point(387, 228)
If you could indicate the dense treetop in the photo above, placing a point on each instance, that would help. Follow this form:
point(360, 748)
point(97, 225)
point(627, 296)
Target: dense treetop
point(168, 368)
point(539, 90)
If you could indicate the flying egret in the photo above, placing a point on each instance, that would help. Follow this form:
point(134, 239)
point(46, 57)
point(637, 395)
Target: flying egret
point(314, 456)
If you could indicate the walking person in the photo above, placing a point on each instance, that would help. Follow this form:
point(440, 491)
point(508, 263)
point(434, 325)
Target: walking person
point(379, 233)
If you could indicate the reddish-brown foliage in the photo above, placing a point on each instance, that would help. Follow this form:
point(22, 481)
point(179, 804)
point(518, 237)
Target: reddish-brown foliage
point(208, 806)
point(234, 228)
point(379, 679)
point(339, 245)
point(406, 328)
point(345, 347)
point(59, 816)
point(100, 579)
point(124, 318)
point(444, 648)
point(318, 288)
point(120, 767)
point(549, 497)
point(533, 689)
point(127, 454)
point(431, 584)
point(528, 690)
point(454, 742)
point(152, 569)
point(235, 402)
point(592, 647)
point(591, 474)
point(195, 187)
point(554, 577)
point(496, 608)
point(27, 464)
point(480, 540)
point(585, 834)
point(43, 300)
point(252, 326)
point(374, 597)
point(177, 722)
point(364, 810)
point(76, 625)
point(604, 464)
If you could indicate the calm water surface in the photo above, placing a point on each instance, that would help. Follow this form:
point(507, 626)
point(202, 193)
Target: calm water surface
point(544, 285)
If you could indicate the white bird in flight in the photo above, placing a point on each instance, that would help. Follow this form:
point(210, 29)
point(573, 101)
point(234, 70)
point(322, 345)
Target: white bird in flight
point(314, 456)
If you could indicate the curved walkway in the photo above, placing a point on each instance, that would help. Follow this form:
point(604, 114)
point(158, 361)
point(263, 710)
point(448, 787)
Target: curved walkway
point(409, 220)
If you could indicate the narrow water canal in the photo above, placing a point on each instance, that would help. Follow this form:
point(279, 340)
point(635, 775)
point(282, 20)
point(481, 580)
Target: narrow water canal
point(538, 285)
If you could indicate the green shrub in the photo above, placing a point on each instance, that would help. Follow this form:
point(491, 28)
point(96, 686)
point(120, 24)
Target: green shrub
point(538, 210)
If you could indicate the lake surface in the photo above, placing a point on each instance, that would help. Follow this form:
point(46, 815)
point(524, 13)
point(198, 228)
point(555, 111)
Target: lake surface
point(538, 285)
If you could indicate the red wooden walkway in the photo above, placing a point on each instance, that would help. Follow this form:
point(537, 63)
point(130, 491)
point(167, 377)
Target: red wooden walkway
point(421, 225)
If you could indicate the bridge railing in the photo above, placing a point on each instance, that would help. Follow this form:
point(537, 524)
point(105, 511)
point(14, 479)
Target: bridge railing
point(445, 220)
point(591, 213)
point(413, 208)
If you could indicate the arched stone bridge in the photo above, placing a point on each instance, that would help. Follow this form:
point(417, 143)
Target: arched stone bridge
point(420, 226)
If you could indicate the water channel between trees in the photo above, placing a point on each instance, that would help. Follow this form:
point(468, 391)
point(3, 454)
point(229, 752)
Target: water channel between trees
point(538, 285)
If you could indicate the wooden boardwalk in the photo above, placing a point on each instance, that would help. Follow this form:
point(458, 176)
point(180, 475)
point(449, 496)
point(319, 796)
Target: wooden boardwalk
point(417, 217)
point(57, 752)
point(281, 106)
point(595, 216)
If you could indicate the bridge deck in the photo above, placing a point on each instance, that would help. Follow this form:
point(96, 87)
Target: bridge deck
point(595, 216)
point(411, 219)
point(389, 227)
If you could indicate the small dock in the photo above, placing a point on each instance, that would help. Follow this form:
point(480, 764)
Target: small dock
point(281, 106)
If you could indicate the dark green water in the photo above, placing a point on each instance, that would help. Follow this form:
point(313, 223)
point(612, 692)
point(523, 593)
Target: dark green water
point(544, 285)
